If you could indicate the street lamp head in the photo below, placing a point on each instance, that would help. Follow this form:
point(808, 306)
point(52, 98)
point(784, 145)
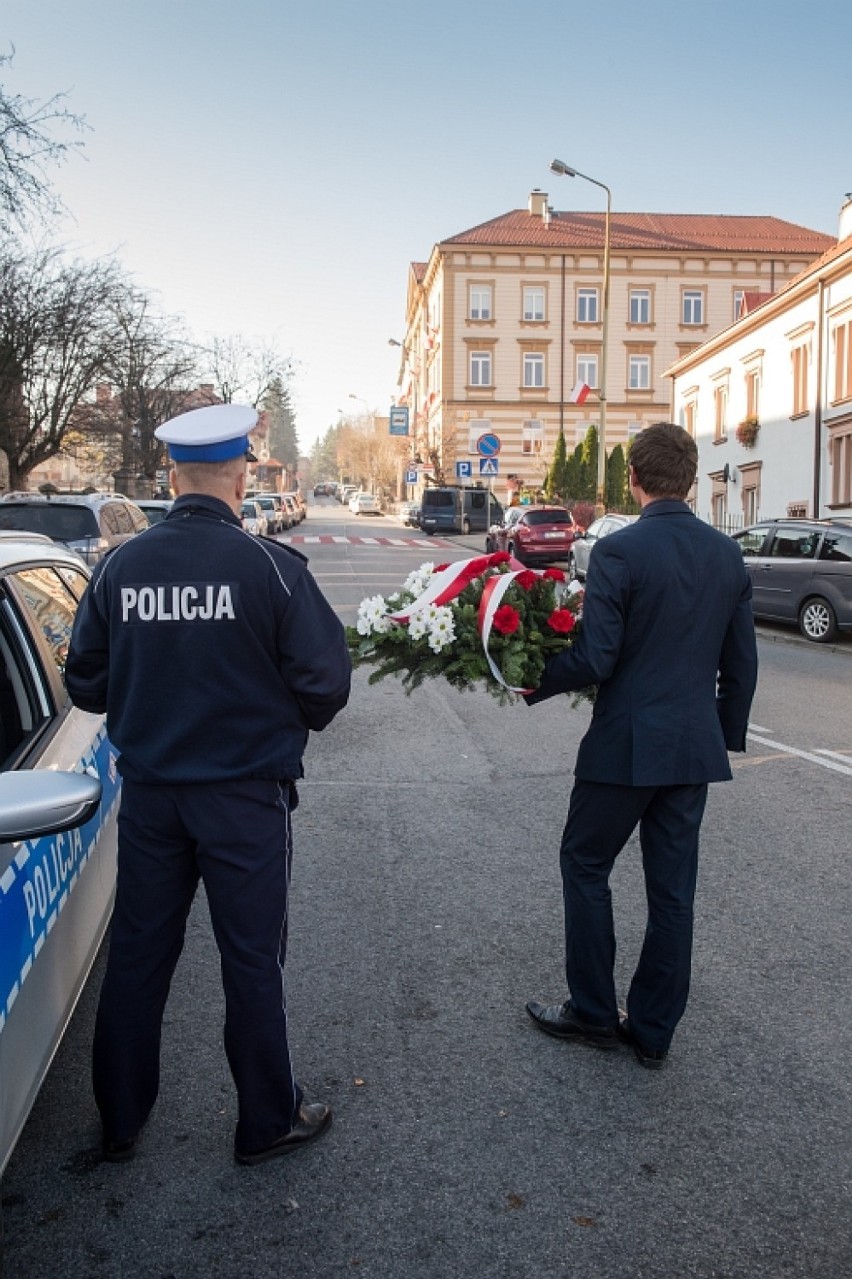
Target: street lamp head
point(563, 169)
point(393, 342)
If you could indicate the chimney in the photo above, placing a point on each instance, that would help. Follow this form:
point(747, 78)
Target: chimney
point(538, 204)
point(845, 228)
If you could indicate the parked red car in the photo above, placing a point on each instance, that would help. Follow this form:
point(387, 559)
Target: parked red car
point(539, 535)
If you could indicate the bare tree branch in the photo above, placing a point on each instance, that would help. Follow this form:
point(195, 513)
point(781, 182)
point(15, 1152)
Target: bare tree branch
point(27, 147)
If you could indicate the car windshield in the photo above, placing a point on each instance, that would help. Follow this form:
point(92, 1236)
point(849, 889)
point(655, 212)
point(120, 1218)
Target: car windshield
point(62, 523)
point(548, 517)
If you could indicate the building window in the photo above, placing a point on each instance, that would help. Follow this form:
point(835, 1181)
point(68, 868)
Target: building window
point(533, 369)
point(587, 370)
point(750, 478)
point(587, 306)
point(752, 387)
point(480, 302)
point(480, 368)
point(840, 458)
point(639, 373)
point(533, 303)
point(720, 403)
point(739, 298)
point(640, 306)
point(693, 306)
point(799, 357)
point(797, 510)
point(720, 508)
point(843, 361)
point(532, 439)
point(689, 417)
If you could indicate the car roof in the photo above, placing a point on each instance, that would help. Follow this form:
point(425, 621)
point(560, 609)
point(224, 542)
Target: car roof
point(27, 548)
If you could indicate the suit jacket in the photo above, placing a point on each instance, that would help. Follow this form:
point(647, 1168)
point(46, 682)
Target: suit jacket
point(668, 636)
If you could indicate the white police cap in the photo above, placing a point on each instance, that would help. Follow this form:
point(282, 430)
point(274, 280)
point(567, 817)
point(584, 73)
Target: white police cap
point(216, 433)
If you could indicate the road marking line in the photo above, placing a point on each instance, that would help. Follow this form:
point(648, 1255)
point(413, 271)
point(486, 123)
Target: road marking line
point(844, 756)
point(809, 755)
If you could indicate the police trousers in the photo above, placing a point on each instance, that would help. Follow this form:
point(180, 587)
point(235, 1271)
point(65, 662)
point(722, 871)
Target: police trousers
point(601, 818)
point(237, 838)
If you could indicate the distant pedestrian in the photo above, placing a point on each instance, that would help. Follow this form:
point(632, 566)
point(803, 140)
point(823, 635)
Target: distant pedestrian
point(214, 654)
point(668, 637)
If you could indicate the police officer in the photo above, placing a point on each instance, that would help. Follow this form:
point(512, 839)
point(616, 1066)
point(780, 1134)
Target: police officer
point(213, 653)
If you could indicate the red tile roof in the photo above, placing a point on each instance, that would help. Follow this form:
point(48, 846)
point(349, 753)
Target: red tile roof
point(653, 232)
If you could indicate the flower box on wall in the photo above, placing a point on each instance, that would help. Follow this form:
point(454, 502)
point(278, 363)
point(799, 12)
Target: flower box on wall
point(747, 431)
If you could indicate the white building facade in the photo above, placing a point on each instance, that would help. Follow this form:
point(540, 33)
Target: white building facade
point(769, 401)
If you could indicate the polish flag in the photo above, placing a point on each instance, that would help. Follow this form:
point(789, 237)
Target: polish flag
point(579, 393)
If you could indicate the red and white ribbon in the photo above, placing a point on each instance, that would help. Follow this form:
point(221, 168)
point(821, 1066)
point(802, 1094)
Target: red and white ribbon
point(448, 584)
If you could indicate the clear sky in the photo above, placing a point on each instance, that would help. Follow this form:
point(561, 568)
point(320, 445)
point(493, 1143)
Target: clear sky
point(271, 168)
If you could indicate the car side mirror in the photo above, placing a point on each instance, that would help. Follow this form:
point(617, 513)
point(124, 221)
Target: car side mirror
point(43, 802)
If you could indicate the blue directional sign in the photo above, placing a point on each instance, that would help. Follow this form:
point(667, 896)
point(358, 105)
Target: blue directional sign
point(411, 477)
point(464, 470)
point(488, 445)
point(398, 420)
point(488, 466)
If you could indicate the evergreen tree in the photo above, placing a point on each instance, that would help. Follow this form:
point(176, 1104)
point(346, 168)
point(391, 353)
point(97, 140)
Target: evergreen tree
point(589, 458)
point(556, 482)
point(615, 492)
point(324, 455)
point(283, 442)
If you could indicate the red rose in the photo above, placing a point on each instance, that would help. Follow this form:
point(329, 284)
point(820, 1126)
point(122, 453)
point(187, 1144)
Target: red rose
point(562, 620)
point(526, 580)
point(499, 557)
point(506, 619)
point(554, 574)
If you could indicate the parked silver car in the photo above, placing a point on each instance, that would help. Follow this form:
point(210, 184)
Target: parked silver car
point(584, 543)
point(57, 846)
point(89, 523)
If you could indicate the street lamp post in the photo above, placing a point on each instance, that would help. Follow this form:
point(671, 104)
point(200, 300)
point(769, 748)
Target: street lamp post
point(565, 171)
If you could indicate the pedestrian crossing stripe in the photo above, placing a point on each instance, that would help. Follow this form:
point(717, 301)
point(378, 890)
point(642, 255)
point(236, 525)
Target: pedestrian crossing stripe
point(328, 539)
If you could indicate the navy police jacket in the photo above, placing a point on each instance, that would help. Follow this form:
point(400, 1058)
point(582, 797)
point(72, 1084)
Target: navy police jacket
point(213, 652)
point(668, 637)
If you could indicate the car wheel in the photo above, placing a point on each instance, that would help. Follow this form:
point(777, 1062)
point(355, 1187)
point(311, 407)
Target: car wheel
point(818, 621)
point(429, 532)
point(466, 527)
point(489, 546)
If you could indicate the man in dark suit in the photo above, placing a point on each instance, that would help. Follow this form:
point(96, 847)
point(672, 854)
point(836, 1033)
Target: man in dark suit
point(668, 638)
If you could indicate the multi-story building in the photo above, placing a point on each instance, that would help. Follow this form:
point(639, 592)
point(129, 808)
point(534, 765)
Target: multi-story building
point(506, 319)
point(770, 400)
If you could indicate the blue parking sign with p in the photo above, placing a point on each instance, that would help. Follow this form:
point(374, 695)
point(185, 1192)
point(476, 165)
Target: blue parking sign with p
point(464, 470)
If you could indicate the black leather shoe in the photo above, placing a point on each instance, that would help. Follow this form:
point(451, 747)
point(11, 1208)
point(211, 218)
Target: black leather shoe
point(119, 1152)
point(311, 1122)
point(650, 1058)
point(562, 1022)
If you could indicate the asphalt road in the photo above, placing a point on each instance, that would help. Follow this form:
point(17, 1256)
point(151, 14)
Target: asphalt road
point(426, 911)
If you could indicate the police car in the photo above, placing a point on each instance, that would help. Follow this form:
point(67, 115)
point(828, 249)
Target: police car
point(57, 842)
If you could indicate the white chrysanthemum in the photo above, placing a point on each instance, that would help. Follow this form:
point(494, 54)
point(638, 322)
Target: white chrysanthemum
point(371, 613)
point(442, 629)
point(418, 626)
point(382, 625)
point(418, 579)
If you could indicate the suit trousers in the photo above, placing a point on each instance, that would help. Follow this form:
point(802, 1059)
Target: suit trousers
point(601, 819)
point(237, 837)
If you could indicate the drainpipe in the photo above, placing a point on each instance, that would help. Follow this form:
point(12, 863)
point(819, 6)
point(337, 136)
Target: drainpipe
point(562, 353)
point(818, 400)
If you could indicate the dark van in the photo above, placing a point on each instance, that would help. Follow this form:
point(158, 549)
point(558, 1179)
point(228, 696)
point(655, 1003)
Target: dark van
point(458, 510)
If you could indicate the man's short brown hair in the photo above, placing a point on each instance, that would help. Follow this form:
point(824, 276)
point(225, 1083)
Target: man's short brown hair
point(664, 458)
